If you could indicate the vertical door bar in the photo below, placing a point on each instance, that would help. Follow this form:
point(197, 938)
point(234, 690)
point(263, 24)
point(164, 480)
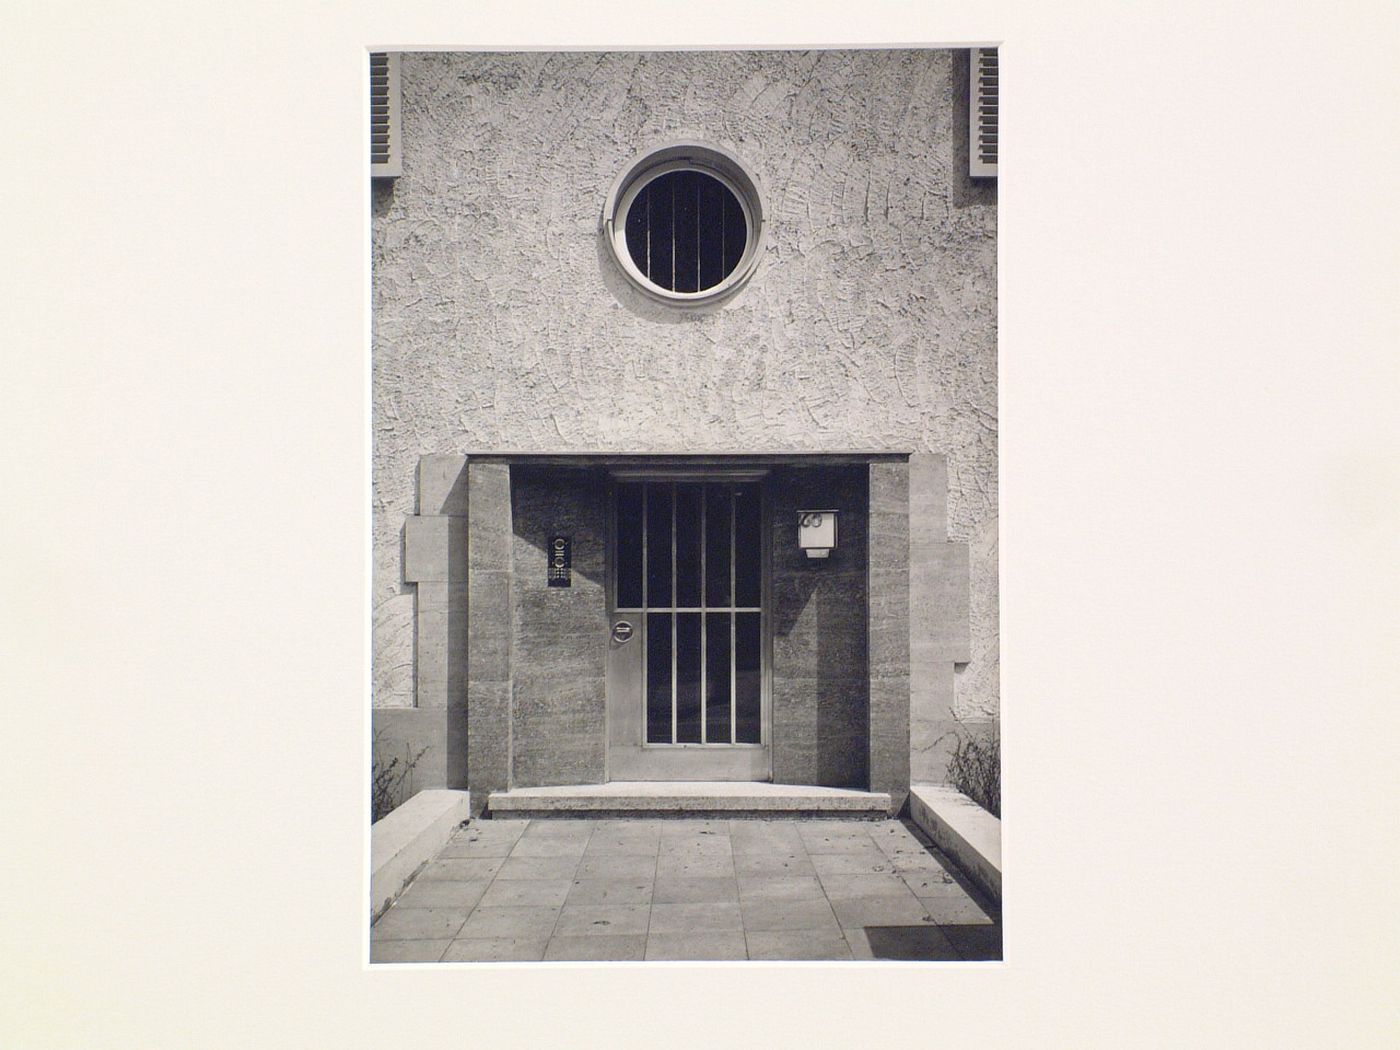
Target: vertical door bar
point(733, 620)
point(674, 615)
point(646, 597)
point(704, 650)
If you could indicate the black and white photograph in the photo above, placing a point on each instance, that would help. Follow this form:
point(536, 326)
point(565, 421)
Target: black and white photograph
point(800, 525)
point(685, 506)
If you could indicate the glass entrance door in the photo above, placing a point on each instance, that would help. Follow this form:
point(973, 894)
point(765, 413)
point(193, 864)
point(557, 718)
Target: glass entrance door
point(687, 696)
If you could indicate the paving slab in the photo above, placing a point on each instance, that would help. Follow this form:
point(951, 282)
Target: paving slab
point(975, 943)
point(766, 847)
point(785, 830)
point(538, 868)
point(623, 846)
point(624, 889)
point(621, 948)
point(524, 893)
point(679, 889)
point(419, 924)
point(523, 922)
point(621, 866)
point(714, 846)
point(602, 920)
point(696, 946)
point(948, 911)
point(845, 887)
point(784, 864)
point(911, 942)
point(893, 835)
point(922, 861)
point(550, 846)
point(798, 944)
point(850, 864)
point(611, 891)
point(492, 830)
point(407, 951)
point(557, 829)
point(462, 869)
point(672, 829)
point(849, 844)
point(709, 917)
point(780, 887)
point(463, 847)
point(808, 914)
point(496, 949)
point(695, 867)
point(881, 911)
point(934, 884)
point(442, 894)
point(858, 942)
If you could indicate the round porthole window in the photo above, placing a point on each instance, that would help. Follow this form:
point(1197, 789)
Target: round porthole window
point(685, 224)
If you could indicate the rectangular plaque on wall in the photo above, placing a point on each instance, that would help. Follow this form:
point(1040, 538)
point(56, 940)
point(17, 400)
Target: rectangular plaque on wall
point(561, 552)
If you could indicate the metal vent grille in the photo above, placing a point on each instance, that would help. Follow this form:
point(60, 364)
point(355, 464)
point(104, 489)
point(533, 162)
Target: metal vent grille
point(385, 144)
point(983, 113)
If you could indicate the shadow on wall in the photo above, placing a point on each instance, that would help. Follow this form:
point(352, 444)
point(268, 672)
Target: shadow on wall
point(821, 687)
point(558, 633)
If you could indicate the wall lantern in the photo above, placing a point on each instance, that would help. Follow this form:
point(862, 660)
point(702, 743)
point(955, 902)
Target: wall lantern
point(816, 532)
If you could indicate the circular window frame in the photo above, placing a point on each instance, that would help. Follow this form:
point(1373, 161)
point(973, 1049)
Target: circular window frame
point(706, 159)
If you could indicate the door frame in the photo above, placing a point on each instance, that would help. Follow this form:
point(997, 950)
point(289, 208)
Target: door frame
point(628, 755)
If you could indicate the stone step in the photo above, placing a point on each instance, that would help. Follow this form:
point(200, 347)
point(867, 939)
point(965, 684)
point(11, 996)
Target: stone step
point(688, 799)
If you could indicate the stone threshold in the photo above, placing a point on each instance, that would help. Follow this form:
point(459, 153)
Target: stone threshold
point(691, 798)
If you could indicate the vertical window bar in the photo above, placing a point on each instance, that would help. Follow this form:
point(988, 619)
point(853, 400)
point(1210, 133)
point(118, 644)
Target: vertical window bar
point(697, 235)
point(647, 191)
point(672, 184)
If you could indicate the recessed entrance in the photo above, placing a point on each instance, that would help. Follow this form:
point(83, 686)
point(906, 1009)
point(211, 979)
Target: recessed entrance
point(687, 672)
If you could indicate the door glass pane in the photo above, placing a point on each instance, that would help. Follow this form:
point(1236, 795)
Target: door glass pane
point(658, 545)
point(717, 627)
point(688, 545)
point(747, 679)
point(695, 545)
point(688, 678)
point(629, 546)
point(717, 507)
point(748, 539)
point(658, 678)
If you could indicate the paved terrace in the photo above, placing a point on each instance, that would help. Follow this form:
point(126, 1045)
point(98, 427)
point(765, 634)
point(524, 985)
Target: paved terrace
point(622, 889)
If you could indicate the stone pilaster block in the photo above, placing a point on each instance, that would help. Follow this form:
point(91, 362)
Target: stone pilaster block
point(888, 630)
point(488, 630)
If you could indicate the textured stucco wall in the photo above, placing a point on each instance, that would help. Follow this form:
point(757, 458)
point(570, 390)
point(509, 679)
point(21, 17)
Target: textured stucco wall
point(500, 322)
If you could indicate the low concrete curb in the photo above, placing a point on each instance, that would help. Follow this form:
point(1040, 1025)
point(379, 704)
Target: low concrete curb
point(408, 838)
point(962, 829)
